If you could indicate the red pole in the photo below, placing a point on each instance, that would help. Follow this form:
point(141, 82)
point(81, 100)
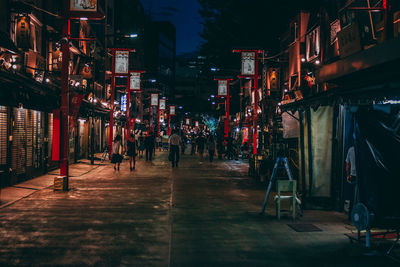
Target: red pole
point(128, 120)
point(255, 134)
point(65, 103)
point(158, 120)
point(111, 125)
point(169, 124)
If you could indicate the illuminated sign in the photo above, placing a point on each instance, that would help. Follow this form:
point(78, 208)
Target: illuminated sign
point(134, 81)
point(222, 87)
point(154, 99)
point(187, 121)
point(196, 123)
point(248, 63)
point(123, 102)
point(121, 62)
point(163, 104)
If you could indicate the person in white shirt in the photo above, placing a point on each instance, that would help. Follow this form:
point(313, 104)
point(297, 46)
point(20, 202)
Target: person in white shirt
point(174, 142)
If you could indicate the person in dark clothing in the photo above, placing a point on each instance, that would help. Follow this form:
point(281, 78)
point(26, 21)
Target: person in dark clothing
point(174, 142)
point(149, 145)
point(131, 151)
point(229, 147)
point(211, 147)
point(200, 145)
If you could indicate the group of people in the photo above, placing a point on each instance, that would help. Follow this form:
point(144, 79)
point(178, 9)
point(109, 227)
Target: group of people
point(201, 143)
point(133, 148)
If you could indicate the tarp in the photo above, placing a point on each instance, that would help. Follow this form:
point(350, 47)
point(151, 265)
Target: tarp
point(321, 123)
point(378, 162)
point(290, 125)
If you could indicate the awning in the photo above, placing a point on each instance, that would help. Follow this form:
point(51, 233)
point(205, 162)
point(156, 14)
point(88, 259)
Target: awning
point(5, 42)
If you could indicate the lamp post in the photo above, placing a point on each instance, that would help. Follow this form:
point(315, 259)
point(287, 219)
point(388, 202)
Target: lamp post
point(119, 68)
point(223, 91)
point(250, 71)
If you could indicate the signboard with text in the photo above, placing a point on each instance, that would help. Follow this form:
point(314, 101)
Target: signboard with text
point(222, 87)
point(83, 5)
point(121, 62)
point(154, 99)
point(134, 81)
point(172, 110)
point(163, 104)
point(248, 63)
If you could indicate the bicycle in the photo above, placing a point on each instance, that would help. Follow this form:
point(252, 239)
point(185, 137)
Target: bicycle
point(104, 155)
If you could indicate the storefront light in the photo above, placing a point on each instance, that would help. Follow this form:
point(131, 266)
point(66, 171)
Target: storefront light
point(317, 62)
point(47, 80)
point(303, 59)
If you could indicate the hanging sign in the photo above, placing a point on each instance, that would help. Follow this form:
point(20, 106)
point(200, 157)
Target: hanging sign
point(187, 121)
point(163, 104)
point(222, 87)
point(172, 110)
point(196, 123)
point(248, 63)
point(154, 99)
point(121, 62)
point(123, 102)
point(134, 81)
point(83, 5)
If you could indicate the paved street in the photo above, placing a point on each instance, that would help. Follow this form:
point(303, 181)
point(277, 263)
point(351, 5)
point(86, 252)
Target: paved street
point(195, 215)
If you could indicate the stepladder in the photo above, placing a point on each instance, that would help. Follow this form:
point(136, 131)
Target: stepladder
point(281, 162)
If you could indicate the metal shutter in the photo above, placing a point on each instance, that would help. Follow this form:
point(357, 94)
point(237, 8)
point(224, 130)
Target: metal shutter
point(18, 149)
point(3, 135)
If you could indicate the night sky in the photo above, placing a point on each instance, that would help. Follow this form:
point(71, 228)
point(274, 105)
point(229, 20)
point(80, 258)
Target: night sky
point(184, 14)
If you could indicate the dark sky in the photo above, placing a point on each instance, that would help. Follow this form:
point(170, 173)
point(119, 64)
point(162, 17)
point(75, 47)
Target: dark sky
point(184, 14)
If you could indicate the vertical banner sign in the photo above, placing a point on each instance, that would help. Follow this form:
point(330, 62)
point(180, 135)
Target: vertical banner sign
point(83, 5)
point(123, 102)
point(187, 121)
point(121, 62)
point(172, 110)
point(162, 104)
point(134, 81)
point(248, 63)
point(196, 123)
point(222, 87)
point(154, 99)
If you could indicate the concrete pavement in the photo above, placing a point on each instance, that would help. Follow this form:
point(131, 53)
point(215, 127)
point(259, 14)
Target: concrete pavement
point(200, 214)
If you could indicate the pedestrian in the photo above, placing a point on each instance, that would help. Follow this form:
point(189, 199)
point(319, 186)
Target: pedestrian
point(149, 145)
point(211, 147)
point(116, 157)
point(141, 145)
point(131, 151)
point(174, 142)
point(193, 145)
point(351, 172)
point(200, 146)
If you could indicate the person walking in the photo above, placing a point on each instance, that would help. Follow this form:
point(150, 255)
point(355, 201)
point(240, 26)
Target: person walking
point(141, 145)
point(174, 142)
point(193, 145)
point(131, 151)
point(211, 147)
point(149, 145)
point(116, 157)
point(200, 146)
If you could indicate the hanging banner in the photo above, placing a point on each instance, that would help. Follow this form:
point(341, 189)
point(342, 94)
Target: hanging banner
point(154, 99)
point(222, 87)
point(187, 121)
point(75, 104)
point(248, 63)
point(121, 62)
point(163, 104)
point(172, 110)
point(196, 123)
point(313, 47)
point(134, 81)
